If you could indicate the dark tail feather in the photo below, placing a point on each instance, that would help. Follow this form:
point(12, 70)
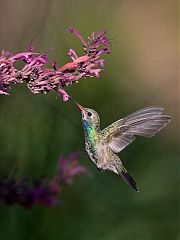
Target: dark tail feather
point(129, 180)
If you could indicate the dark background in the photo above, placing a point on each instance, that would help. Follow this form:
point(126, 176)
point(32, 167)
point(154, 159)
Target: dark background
point(36, 129)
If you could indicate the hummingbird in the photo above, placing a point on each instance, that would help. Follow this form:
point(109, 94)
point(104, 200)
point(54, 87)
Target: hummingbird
point(102, 146)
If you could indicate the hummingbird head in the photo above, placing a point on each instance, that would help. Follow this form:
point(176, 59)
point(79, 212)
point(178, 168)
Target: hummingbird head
point(90, 116)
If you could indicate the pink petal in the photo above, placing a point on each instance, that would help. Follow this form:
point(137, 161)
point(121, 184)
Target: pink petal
point(72, 54)
point(65, 94)
point(3, 93)
point(82, 59)
point(75, 32)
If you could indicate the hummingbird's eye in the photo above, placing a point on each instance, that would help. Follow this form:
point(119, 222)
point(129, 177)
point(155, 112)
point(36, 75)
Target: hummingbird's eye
point(89, 114)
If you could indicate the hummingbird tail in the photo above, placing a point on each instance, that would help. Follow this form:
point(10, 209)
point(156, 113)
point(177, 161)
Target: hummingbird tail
point(129, 180)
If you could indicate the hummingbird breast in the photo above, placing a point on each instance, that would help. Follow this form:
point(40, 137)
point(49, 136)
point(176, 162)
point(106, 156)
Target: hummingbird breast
point(98, 151)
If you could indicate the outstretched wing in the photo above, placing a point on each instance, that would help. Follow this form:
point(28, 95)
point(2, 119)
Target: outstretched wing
point(145, 122)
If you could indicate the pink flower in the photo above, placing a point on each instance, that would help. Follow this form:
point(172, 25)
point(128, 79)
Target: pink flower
point(66, 97)
point(28, 192)
point(68, 168)
point(40, 79)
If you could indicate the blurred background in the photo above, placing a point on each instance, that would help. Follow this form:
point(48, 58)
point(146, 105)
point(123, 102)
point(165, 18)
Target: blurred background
point(35, 129)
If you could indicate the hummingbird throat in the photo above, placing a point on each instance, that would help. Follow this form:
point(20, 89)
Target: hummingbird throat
point(90, 133)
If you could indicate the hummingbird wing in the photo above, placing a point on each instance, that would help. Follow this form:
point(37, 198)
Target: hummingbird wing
point(145, 122)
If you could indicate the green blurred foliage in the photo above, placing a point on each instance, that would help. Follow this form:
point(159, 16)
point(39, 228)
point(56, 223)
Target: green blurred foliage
point(36, 129)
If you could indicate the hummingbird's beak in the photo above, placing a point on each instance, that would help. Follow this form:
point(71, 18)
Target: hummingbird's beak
point(78, 105)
